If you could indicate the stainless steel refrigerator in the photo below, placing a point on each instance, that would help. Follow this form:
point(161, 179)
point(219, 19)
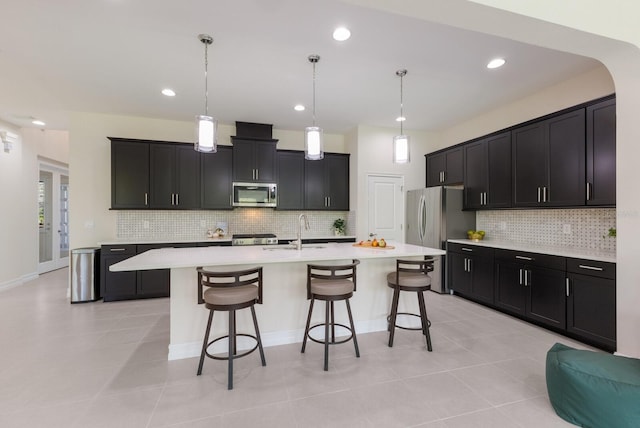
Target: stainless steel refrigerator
point(434, 214)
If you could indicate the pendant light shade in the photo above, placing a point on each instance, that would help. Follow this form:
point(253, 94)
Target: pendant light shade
point(206, 126)
point(313, 147)
point(401, 142)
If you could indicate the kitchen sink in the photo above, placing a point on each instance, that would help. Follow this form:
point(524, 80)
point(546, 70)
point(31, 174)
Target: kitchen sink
point(290, 247)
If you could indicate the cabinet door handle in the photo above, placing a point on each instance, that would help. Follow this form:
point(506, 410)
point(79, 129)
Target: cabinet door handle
point(469, 265)
point(524, 258)
point(177, 198)
point(329, 200)
point(465, 264)
point(146, 199)
point(485, 198)
point(588, 191)
point(257, 174)
point(538, 194)
point(599, 269)
point(544, 194)
point(520, 280)
point(466, 249)
point(172, 199)
point(481, 199)
point(568, 289)
point(527, 281)
point(115, 250)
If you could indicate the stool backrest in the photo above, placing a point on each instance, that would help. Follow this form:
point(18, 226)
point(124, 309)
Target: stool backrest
point(229, 279)
point(413, 266)
point(331, 272)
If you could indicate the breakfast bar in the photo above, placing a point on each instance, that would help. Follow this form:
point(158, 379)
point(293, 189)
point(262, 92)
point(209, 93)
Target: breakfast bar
point(282, 314)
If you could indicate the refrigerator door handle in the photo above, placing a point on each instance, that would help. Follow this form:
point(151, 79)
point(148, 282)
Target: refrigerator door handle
point(422, 217)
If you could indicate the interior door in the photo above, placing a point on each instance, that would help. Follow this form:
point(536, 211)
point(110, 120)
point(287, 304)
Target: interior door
point(53, 218)
point(386, 207)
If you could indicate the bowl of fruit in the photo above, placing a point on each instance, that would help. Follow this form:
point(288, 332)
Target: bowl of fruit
point(475, 235)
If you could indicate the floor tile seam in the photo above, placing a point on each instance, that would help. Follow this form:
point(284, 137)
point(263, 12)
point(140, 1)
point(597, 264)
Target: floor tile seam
point(153, 411)
point(501, 409)
point(480, 392)
point(447, 418)
point(260, 406)
point(495, 364)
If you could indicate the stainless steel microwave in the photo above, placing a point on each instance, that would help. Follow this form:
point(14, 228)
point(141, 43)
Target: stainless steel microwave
point(254, 195)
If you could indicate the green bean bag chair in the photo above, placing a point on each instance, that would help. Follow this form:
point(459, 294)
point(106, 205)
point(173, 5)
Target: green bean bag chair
point(593, 389)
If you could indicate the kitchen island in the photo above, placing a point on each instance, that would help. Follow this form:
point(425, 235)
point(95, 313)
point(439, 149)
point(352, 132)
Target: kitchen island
point(283, 313)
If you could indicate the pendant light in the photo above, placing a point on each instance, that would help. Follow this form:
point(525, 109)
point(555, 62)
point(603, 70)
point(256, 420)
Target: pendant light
point(401, 142)
point(206, 126)
point(312, 134)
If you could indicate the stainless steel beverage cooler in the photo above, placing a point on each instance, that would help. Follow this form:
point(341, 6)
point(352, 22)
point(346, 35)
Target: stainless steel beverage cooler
point(84, 272)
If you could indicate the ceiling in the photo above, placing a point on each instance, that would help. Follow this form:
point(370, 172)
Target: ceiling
point(115, 56)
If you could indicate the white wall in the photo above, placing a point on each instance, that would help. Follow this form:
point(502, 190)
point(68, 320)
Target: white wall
point(90, 164)
point(19, 173)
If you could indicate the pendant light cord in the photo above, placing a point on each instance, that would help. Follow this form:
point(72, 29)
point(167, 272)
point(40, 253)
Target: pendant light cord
point(314, 93)
point(206, 80)
point(401, 105)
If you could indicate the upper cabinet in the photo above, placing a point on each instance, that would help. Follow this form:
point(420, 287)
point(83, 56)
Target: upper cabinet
point(549, 162)
point(445, 167)
point(327, 183)
point(174, 176)
point(487, 172)
point(254, 160)
point(290, 180)
point(216, 179)
point(129, 174)
point(601, 153)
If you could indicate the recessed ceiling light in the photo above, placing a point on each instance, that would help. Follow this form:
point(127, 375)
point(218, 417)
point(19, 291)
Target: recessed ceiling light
point(496, 62)
point(341, 34)
point(299, 107)
point(168, 92)
point(400, 119)
point(38, 122)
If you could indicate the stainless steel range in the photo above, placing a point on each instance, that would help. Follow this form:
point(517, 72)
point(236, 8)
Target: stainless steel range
point(254, 239)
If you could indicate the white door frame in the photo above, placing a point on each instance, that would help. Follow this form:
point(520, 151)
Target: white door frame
point(57, 260)
point(401, 213)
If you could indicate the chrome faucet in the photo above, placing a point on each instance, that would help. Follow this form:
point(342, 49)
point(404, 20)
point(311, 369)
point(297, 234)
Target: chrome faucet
point(306, 226)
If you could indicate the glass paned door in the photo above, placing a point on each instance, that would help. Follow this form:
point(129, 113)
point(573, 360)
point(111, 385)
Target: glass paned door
point(53, 218)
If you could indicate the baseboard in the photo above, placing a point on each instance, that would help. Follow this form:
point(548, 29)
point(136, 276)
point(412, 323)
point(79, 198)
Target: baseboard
point(19, 281)
point(193, 349)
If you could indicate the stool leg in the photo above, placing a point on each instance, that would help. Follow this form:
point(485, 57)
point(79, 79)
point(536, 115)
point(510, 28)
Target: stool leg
point(255, 324)
point(394, 315)
point(204, 342)
point(424, 319)
point(333, 325)
point(326, 336)
point(232, 351)
point(353, 329)
point(306, 329)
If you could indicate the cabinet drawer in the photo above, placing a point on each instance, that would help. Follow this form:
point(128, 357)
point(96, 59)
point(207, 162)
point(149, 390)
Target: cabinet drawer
point(532, 259)
point(121, 250)
point(592, 268)
point(471, 249)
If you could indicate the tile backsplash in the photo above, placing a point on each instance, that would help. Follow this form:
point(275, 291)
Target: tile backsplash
point(190, 225)
point(582, 228)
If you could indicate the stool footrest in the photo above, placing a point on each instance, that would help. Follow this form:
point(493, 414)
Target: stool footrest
point(235, 356)
point(408, 328)
point(334, 342)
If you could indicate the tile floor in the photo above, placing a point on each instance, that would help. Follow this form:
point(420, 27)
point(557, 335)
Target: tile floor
point(104, 365)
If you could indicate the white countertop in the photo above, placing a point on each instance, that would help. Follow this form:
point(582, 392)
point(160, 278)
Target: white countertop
point(578, 253)
point(205, 240)
point(224, 256)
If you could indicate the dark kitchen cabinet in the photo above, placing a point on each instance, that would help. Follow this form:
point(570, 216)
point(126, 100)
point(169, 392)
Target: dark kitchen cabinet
point(471, 271)
point(591, 302)
point(254, 160)
point(117, 285)
point(445, 167)
point(601, 153)
point(327, 183)
point(549, 162)
point(487, 172)
point(216, 179)
point(154, 282)
point(290, 180)
point(174, 176)
point(129, 174)
point(532, 286)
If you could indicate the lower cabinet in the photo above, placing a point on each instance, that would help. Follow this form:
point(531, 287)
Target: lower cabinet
point(531, 285)
point(471, 271)
point(575, 297)
point(591, 301)
point(135, 284)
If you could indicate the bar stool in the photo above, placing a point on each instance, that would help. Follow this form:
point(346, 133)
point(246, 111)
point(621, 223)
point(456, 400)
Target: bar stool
point(331, 283)
point(230, 291)
point(410, 275)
